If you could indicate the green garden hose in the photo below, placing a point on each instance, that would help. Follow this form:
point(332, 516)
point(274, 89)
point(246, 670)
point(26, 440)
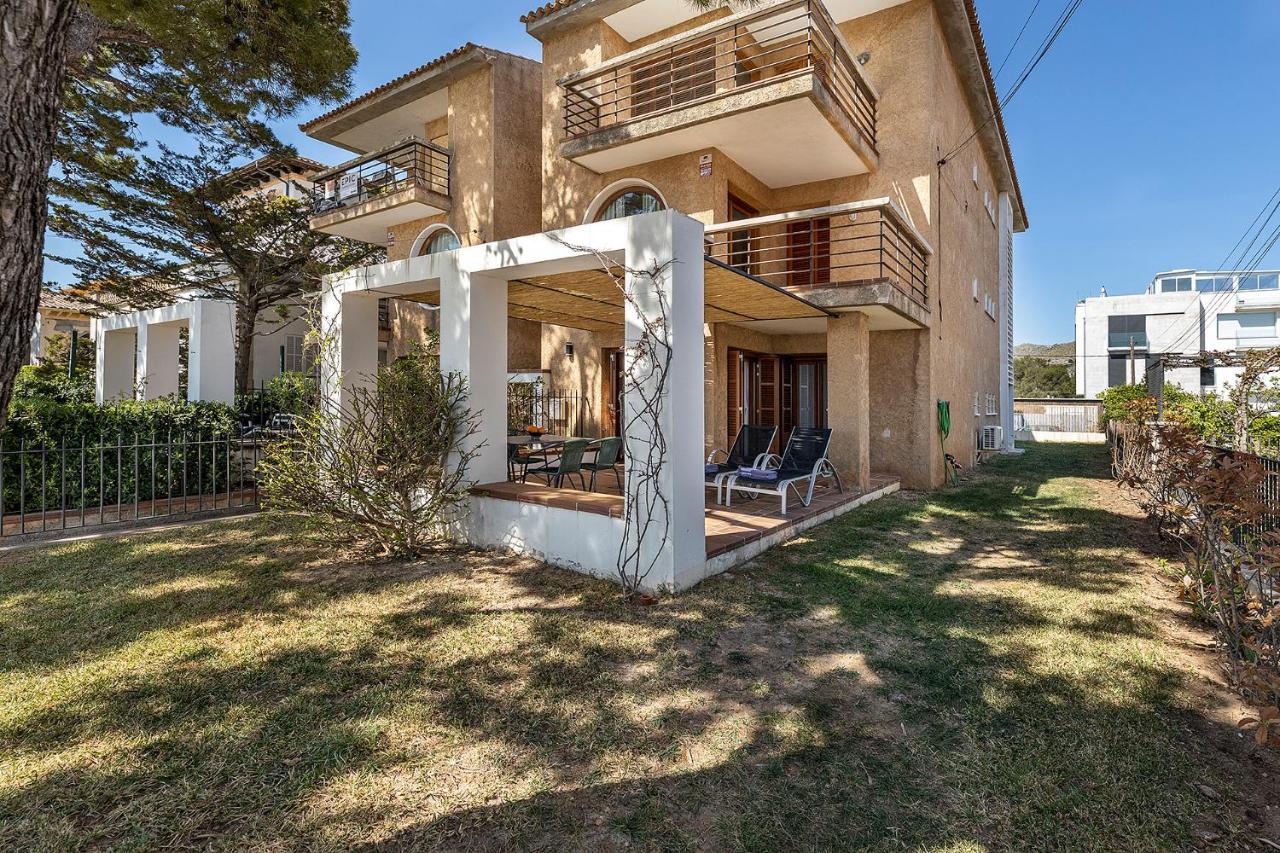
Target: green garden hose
point(944, 430)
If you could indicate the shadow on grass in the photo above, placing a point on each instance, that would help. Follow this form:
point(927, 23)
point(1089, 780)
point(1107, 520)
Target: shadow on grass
point(967, 666)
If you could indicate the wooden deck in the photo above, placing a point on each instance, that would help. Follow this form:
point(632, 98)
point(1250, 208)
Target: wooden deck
point(746, 523)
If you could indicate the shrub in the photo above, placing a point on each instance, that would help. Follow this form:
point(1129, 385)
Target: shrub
point(1213, 503)
point(45, 382)
point(386, 473)
point(1116, 401)
point(49, 421)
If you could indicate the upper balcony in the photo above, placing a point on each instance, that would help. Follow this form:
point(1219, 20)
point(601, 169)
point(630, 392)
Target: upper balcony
point(760, 86)
point(364, 197)
point(863, 254)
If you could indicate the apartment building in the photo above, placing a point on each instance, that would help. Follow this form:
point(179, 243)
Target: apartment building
point(1181, 312)
point(815, 129)
point(821, 191)
point(446, 155)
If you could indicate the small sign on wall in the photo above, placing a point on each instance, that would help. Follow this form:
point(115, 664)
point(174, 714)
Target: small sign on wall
point(704, 166)
point(391, 238)
point(348, 185)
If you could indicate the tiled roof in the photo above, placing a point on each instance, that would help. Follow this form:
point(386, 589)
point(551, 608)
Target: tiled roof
point(373, 93)
point(543, 11)
point(63, 300)
point(274, 164)
point(972, 8)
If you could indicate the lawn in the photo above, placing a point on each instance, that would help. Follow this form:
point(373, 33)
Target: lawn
point(989, 666)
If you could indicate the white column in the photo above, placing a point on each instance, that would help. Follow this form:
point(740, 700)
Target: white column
point(473, 342)
point(115, 357)
point(211, 352)
point(37, 341)
point(157, 360)
point(679, 558)
point(349, 359)
point(1006, 320)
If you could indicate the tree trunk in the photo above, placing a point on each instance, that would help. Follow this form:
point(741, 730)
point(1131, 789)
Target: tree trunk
point(246, 322)
point(33, 64)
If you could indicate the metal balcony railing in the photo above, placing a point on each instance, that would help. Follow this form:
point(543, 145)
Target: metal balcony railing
point(412, 162)
point(749, 50)
point(842, 245)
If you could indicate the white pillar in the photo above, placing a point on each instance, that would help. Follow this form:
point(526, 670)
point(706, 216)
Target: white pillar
point(473, 342)
point(115, 357)
point(1006, 318)
point(678, 559)
point(350, 357)
point(37, 341)
point(157, 360)
point(211, 352)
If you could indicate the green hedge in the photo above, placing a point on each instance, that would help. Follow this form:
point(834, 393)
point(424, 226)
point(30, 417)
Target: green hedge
point(80, 455)
point(44, 421)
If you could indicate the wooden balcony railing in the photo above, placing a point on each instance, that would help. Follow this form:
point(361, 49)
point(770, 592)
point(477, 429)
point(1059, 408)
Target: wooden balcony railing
point(842, 245)
point(410, 163)
point(748, 50)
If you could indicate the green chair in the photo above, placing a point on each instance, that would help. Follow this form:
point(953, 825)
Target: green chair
point(567, 464)
point(607, 452)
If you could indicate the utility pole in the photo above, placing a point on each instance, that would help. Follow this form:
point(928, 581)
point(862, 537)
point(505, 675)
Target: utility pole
point(71, 359)
point(1133, 375)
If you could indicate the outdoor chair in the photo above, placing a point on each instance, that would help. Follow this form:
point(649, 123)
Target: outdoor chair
point(803, 461)
point(568, 463)
point(607, 452)
point(516, 462)
point(750, 447)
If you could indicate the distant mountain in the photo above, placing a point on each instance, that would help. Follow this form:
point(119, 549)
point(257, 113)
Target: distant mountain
point(1050, 351)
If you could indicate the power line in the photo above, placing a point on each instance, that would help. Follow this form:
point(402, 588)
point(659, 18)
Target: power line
point(1017, 39)
point(1241, 267)
point(1055, 32)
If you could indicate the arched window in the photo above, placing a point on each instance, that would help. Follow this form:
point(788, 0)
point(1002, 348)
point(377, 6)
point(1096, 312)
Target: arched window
point(440, 240)
point(629, 201)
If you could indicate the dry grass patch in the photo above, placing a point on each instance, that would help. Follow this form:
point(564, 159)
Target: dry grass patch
point(978, 668)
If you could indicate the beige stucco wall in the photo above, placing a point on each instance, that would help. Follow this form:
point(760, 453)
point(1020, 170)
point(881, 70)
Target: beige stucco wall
point(493, 130)
point(922, 114)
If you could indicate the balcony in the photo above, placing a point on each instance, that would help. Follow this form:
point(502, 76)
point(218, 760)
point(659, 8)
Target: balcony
point(364, 197)
point(863, 254)
point(760, 86)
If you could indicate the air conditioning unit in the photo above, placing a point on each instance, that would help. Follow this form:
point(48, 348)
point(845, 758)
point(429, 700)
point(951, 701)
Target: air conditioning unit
point(992, 438)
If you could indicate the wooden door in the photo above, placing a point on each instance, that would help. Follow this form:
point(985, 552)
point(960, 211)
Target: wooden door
point(613, 385)
point(752, 390)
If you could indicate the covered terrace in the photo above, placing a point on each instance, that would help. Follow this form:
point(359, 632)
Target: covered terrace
point(576, 278)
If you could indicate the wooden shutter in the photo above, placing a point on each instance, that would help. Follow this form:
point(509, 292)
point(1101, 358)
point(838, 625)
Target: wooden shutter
point(685, 76)
point(733, 389)
point(786, 395)
point(768, 394)
point(809, 252)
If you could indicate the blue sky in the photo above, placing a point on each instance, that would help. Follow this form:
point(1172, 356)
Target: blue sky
point(1145, 141)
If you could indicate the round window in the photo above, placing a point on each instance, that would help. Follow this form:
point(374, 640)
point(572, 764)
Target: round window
point(443, 240)
point(630, 202)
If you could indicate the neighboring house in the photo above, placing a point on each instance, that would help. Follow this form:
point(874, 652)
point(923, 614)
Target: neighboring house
point(447, 155)
point(58, 314)
point(1182, 312)
point(138, 351)
point(777, 167)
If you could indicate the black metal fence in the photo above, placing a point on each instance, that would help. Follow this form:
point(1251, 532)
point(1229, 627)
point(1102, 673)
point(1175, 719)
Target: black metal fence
point(555, 412)
point(84, 484)
point(1268, 492)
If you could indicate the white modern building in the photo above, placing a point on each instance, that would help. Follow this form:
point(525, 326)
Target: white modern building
point(1182, 312)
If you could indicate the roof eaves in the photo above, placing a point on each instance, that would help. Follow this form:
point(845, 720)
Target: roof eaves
point(374, 93)
point(984, 60)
